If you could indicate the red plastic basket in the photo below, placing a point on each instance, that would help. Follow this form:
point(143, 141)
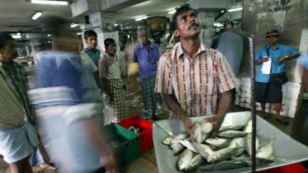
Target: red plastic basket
point(294, 168)
point(145, 134)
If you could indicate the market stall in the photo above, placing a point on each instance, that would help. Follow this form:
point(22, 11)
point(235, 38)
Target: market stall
point(286, 150)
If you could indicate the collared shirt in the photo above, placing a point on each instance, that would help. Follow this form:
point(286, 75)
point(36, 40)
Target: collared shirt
point(275, 53)
point(196, 81)
point(109, 67)
point(147, 60)
point(14, 102)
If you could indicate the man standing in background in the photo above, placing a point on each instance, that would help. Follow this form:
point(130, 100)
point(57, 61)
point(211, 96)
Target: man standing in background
point(91, 55)
point(146, 54)
point(112, 83)
point(18, 137)
point(272, 60)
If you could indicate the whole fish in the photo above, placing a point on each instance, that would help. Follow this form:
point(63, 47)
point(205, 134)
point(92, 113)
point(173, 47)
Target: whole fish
point(232, 134)
point(217, 143)
point(176, 146)
point(188, 162)
point(224, 165)
point(248, 144)
point(266, 152)
point(237, 142)
point(248, 128)
point(221, 155)
point(181, 136)
point(201, 131)
point(184, 160)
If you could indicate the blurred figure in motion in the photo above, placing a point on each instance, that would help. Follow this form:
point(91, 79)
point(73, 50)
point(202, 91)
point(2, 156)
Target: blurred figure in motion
point(18, 137)
point(68, 104)
point(111, 77)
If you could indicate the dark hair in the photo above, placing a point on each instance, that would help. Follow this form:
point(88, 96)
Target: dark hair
point(227, 21)
point(179, 11)
point(108, 41)
point(89, 33)
point(4, 37)
point(273, 32)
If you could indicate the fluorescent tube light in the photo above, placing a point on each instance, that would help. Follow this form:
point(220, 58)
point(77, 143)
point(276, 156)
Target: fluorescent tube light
point(46, 2)
point(36, 15)
point(171, 11)
point(235, 9)
point(73, 25)
point(16, 36)
point(141, 18)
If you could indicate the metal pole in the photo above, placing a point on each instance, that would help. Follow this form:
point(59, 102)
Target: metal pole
point(253, 104)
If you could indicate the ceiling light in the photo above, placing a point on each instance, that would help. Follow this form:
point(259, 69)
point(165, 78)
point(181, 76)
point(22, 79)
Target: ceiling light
point(171, 12)
point(78, 33)
point(235, 9)
point(116, 24)
point(49, 35)
point(73, 25)
point(36, 15)
point(49, 2)
point(16, 36)
point(216, 24)
point(141, 18)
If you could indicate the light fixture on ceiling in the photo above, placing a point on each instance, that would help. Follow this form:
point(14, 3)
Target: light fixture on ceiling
point(141, 18)
point(49, 35)
point(51, 2)
point(36, 15)
point(78, 33)
point(74, 25)
point(235, 9)
point(217, 24)
point(171, 11)
point(16, 36)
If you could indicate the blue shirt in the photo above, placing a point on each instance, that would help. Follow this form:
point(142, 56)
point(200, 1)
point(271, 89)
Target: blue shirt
point(147, 60)
point(275, 53)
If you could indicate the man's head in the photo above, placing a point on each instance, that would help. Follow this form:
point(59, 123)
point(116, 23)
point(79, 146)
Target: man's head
point(143, 34)
point(91, 39)
point(156, 37)
point(272, 37)
point(184, 22)
point(8, 50)
point(110, 46)
point(228, 24)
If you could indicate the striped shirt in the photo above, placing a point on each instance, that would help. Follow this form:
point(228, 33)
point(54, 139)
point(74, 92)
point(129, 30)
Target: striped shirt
point(196, 81)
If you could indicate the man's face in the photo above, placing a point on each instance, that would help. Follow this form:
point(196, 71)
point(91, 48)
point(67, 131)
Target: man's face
point(144, 37)
point(187, 27)
point(8, 53)
point(272, 40)
point(111, 49)
point(91, 42)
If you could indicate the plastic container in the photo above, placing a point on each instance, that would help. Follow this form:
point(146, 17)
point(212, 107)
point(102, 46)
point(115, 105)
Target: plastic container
point(124, 143)
point(145, 133)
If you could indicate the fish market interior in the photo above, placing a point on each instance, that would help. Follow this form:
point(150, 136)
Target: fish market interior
point(153, 86)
